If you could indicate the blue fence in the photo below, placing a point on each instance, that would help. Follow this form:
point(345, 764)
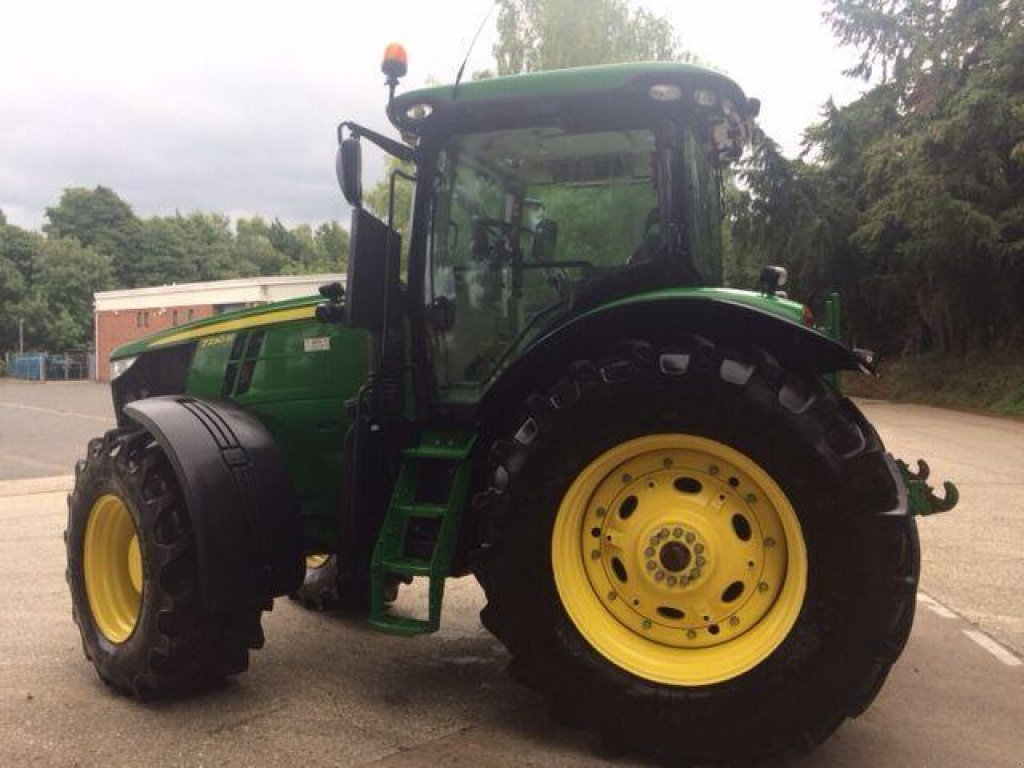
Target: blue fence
point(41, 366)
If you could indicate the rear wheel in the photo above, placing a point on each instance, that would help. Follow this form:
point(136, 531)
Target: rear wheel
point(679, 559)
point(697, 555)
point(132, 571)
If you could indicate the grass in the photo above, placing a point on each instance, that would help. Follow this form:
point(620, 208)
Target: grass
point(987, 380)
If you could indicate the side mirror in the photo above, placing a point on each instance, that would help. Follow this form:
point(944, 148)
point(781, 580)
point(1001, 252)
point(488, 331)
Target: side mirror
point(349, 167)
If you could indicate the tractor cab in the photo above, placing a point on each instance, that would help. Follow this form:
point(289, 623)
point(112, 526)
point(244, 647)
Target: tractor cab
point(540, 196)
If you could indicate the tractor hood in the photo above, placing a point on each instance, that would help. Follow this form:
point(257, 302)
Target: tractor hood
point(269, 314)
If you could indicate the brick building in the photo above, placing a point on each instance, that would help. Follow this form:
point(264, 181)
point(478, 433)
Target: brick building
point(123, 316)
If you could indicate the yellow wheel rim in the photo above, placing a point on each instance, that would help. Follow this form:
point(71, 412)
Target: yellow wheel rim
point(112, 562)
point(316, 561)
point(679, 559)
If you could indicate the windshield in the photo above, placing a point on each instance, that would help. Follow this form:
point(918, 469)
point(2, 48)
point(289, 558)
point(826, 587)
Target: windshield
point(525, 219)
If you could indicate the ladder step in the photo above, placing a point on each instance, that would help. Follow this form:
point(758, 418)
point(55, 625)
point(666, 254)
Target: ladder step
point(427, 511)
point(406, 566)
point(403, 625)
point(439, 452)
point(445, 446)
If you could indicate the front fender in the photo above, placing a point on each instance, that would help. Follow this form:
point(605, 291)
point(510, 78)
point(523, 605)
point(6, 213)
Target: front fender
point(659, 318)
point(246, 518)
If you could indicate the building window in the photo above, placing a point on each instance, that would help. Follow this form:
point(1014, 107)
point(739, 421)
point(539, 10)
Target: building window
point(174, 317)
point(142, 319)
point(190, 315)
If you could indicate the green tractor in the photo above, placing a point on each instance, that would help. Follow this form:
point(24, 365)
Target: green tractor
point(690, 542)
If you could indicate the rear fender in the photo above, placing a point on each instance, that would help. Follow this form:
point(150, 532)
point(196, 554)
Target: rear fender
point(660, 320)
point(246, 518)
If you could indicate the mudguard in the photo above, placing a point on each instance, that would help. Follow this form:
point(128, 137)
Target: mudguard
point(662, 317)
point(244, 514)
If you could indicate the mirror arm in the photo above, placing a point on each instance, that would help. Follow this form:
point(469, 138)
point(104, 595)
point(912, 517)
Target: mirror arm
point(392, 147)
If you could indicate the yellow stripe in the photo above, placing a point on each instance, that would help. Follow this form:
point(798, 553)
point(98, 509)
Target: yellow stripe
point(252, 321)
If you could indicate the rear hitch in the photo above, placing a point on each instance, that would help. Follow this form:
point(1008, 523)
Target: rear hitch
point(921, 496)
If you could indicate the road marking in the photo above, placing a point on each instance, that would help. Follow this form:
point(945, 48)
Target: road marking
point(935, 606)
point(990, 645)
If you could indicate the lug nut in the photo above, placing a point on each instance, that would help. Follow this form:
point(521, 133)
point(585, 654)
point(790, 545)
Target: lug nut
point(762, 587)
point(698, 548)
point(695, 573)
point(700, 561)
point(601, 511)
point(594, 554)
point(751, 498)
point(713, 469)
point(627, 479)
point(646, 624)
point(659, 576)
point(671, 581)
point(666, 462)
point(651, 565)
point(690, 537)
point(691, 633)
point(663, 533)
point(733, 621)
point(649, 552)
point(769, 542)
point(654, 540)
point(677, 532)
point(612, 595)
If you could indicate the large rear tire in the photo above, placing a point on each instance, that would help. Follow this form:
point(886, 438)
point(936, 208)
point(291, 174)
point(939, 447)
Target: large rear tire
point(697, 555)
point(132, 571)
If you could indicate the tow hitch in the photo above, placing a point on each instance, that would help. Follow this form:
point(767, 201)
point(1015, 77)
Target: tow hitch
point(920, 495)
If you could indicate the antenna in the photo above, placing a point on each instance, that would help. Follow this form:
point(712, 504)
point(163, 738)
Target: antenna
point(462, 69)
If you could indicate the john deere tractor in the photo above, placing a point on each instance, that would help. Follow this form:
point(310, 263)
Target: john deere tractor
point(689, 540)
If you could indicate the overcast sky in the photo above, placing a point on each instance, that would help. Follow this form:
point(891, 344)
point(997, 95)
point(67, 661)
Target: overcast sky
point(231, 107)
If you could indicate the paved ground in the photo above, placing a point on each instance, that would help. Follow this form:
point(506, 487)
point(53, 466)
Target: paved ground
point(327, 691)
point(44, 427)
point(973, 557)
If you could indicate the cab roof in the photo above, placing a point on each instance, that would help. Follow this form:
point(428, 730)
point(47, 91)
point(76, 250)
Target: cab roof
point(417, 111)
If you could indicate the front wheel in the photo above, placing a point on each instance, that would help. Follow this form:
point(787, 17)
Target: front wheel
point(132, 570)
point(698, 555)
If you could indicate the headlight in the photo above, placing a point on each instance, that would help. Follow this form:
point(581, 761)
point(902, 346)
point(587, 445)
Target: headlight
point(117, 367)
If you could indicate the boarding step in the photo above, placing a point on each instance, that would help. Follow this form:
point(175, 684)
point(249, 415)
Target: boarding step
point(439, 457)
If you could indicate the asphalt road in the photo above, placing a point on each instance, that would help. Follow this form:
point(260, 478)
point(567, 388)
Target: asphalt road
point(328, 691)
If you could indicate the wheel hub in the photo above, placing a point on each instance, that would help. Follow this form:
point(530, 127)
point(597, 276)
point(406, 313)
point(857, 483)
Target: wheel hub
point(688, 546)
point(674, 557)
point(113, 568)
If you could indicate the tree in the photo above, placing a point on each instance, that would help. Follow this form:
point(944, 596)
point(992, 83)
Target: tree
point(332, 247)
point(211, 246)
point(536, 35)
point(253, 247)
point(101, 220)
point(59, 308)
point(163, 252)
point(908, 199)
